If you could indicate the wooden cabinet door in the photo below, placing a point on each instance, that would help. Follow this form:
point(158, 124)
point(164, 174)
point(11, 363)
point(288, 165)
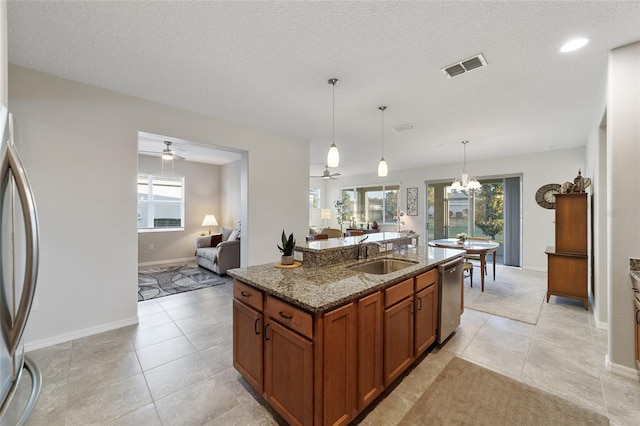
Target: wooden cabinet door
point(340, 365)
point(288, 377)
point(425, 313)
point(248, 344)
point(398, 339)
point(571, 223)
point(370, 363)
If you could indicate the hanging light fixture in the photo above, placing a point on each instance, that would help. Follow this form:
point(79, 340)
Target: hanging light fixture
point(333, 157)
point(464, 182)
point(383, 169)
point(167, 153)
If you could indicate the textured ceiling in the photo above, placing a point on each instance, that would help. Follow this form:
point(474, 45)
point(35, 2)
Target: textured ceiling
point(266, 64)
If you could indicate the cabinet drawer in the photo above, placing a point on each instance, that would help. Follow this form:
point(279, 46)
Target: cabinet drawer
point(247, 295)
point(425, 280)
point(290, 316)
point(396, 293)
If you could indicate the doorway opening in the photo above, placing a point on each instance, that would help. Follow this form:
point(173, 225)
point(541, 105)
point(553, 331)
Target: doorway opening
point(493, 212)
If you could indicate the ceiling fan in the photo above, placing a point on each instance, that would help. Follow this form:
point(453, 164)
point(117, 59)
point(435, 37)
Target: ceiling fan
point(328, 175)
point(168, 153)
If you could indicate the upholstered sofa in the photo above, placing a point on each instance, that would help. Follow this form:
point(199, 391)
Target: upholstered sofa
point(219, 252)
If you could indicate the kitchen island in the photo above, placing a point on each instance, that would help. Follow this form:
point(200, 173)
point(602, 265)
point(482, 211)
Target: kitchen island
point(321, 343)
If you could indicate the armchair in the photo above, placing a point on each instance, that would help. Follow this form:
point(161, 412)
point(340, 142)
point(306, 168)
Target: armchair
point(217, 255)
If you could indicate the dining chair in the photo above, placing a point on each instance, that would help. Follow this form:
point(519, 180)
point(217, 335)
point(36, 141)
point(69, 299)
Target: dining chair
point(467, 271)
point(332, 233)
point(477, 256)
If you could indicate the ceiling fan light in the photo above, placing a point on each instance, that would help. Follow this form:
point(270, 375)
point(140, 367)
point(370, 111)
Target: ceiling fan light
point(167, 155)
point(333, 157)
point(383, 169)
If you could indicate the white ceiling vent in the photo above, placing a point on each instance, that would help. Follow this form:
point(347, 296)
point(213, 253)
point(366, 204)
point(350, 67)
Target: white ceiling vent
point(465, 66)
point(402, 127)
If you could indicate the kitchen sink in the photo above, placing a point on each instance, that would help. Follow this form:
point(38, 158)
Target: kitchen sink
point(382, 266)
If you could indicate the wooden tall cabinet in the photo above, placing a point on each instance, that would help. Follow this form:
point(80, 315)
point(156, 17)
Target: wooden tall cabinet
point(567, 261)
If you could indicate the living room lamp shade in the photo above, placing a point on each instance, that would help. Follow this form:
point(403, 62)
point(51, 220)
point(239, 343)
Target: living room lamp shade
point(333, 157)
point(209, 221)
point(326, 215)
point(464, 182)
point(383, 169)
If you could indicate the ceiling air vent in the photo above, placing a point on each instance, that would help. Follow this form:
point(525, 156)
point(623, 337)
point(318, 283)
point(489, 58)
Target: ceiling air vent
point(402, 127)
point(465, 66)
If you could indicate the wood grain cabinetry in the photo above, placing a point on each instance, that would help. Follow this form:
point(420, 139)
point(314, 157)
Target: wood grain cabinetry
point(288, 387)
point(567, 261)
point(370, 333)
point(410, 320)
point(326, 368)
point(248, 344)
point(340, 365)
point(398, 332)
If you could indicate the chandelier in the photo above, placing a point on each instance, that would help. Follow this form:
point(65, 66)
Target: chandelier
point(464, 182)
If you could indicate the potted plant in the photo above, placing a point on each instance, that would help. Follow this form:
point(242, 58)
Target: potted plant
point(287, 249)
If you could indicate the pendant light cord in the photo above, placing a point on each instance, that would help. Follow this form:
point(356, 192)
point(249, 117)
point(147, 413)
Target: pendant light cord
point(333, 117)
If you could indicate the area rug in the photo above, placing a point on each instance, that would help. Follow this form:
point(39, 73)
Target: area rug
point(467, 394)
point(515, 294)
point(165, 281)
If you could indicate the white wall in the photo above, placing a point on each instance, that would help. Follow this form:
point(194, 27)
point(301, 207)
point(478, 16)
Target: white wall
point(597, 170)
point(537, 169)
point(201, 196)
point(230, 205)
point(79, 145)
point(623, 175)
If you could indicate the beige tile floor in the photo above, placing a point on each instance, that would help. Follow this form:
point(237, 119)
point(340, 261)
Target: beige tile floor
point(175, 367)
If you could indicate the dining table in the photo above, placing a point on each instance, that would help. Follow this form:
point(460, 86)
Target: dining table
point(476, 247)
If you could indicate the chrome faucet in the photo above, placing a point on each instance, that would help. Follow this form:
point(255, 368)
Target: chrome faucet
point(363, 251)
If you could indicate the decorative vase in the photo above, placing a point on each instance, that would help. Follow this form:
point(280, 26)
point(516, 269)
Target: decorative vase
point(287, 260)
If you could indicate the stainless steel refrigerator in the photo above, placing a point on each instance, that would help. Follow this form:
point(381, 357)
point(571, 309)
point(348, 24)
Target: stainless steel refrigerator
point(19, 241)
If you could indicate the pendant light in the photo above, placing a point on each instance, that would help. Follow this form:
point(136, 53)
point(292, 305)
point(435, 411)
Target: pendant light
point(464, 182)
point(383, 169)
point(333, 157)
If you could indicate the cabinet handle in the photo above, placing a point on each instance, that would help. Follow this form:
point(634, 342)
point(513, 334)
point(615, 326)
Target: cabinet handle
point(245, 294)
point(266, 335)
point(283, 315)
point(256, 329)
point(635, 290)
point(637, 317)
point(413, 306)
point(420, 300)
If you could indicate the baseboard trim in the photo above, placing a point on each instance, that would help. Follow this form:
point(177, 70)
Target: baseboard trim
point(163, 262)
point(534, 268)
point(62, 338)
point(621, 370)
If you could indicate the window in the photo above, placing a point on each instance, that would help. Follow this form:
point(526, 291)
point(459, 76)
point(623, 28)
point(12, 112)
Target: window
point(369, 203)
point(314, 198)
point(160, 203)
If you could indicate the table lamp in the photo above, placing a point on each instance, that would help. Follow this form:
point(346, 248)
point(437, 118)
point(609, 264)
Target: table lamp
point(209, 220)
point(326, 214)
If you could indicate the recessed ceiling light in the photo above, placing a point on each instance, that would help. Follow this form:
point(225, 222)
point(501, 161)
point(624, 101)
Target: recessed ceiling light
point(574, 44)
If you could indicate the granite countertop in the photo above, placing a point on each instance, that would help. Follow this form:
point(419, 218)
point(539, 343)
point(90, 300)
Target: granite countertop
point(340, 243)
point(634, 271)
point(319, 289)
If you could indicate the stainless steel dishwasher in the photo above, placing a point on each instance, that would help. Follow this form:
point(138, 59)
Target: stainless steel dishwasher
point(449, 298)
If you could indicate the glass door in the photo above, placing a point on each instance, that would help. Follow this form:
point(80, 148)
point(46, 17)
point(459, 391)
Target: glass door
point(479, 214)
